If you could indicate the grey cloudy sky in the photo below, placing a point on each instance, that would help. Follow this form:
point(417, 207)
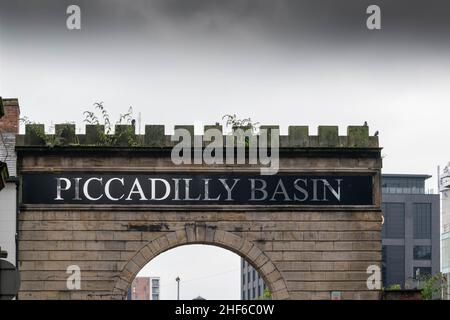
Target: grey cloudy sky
point(280, 62)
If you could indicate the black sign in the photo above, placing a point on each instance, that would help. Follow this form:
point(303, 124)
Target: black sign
point(193, 188)
point(9, 280)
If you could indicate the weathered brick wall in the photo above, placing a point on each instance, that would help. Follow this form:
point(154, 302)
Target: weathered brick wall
point(302, 253)
point(9, 123)
point(9, 127)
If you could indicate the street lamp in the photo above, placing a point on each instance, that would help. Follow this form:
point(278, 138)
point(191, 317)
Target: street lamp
point(177, 279)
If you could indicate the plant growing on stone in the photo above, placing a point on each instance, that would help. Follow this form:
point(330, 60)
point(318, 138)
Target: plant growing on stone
point(266, 295)
point(245, 124)
point(394, 287)
point(124, 136)
point(62, 137)
point(234, 123)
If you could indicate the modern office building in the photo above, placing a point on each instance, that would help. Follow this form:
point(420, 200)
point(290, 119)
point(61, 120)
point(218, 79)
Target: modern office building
point(252, 285)
point(444, 188)
point(145, 288)
point(9, 127)
point(410, 235)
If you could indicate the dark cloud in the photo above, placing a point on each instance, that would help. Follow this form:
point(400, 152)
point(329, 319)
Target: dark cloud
point(274, 20)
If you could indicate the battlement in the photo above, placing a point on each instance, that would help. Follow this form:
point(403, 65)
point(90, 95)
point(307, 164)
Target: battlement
point(155, 137)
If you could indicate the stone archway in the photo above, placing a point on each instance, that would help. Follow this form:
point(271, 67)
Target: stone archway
point(203, 234)
point(303, 250)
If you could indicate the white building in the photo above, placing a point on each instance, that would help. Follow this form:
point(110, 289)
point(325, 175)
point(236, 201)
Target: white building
point(444, 187)
point(9, 127)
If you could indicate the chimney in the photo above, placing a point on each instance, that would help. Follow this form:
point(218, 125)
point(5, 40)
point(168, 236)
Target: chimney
point(9, 123)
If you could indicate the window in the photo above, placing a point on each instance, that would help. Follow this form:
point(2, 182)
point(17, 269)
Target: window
point(394, 220)
point(403, 185)
point(422, 252)
point(422, 221)
point(421, 272)
point(155, 286)
point(243, 278)
point(155, 297)
point(259, 291)
point(248, 294)
point(393, 265)
point(253, 291)
point(254, 275)
point(248, 277)
point(243, 295)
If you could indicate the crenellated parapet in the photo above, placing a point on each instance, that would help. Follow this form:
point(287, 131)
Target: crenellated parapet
point(155, 137)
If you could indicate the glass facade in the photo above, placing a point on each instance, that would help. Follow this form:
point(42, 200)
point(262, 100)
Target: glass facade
point(403, 185)
point(393, 265)
point(422, 221)
point(252, 283)
point(394, 220)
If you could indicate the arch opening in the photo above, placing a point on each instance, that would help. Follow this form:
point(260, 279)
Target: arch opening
point(203, 235)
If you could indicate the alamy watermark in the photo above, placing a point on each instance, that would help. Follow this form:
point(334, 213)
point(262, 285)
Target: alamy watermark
point(73, 21)
point(233, 151)
point(373, 22)
point(374, 280)
point(73, 281)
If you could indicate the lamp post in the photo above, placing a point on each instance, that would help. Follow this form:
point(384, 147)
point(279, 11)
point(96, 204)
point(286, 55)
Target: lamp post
point(177, 279)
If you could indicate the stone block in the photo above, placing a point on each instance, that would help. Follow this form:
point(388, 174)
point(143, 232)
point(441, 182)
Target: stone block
point(35, 134)
point(298, 136)
point(95, 134)
point(358, 136)
point(154, 136)
point(329, 136)
point(125, 135)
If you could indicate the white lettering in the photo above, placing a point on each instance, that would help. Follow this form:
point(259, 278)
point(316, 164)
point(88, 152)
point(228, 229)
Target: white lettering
point(262, 189)
point(137, 186)
point(153, 187)
point(108, 191)
point(86, 188)
point(59, 187)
